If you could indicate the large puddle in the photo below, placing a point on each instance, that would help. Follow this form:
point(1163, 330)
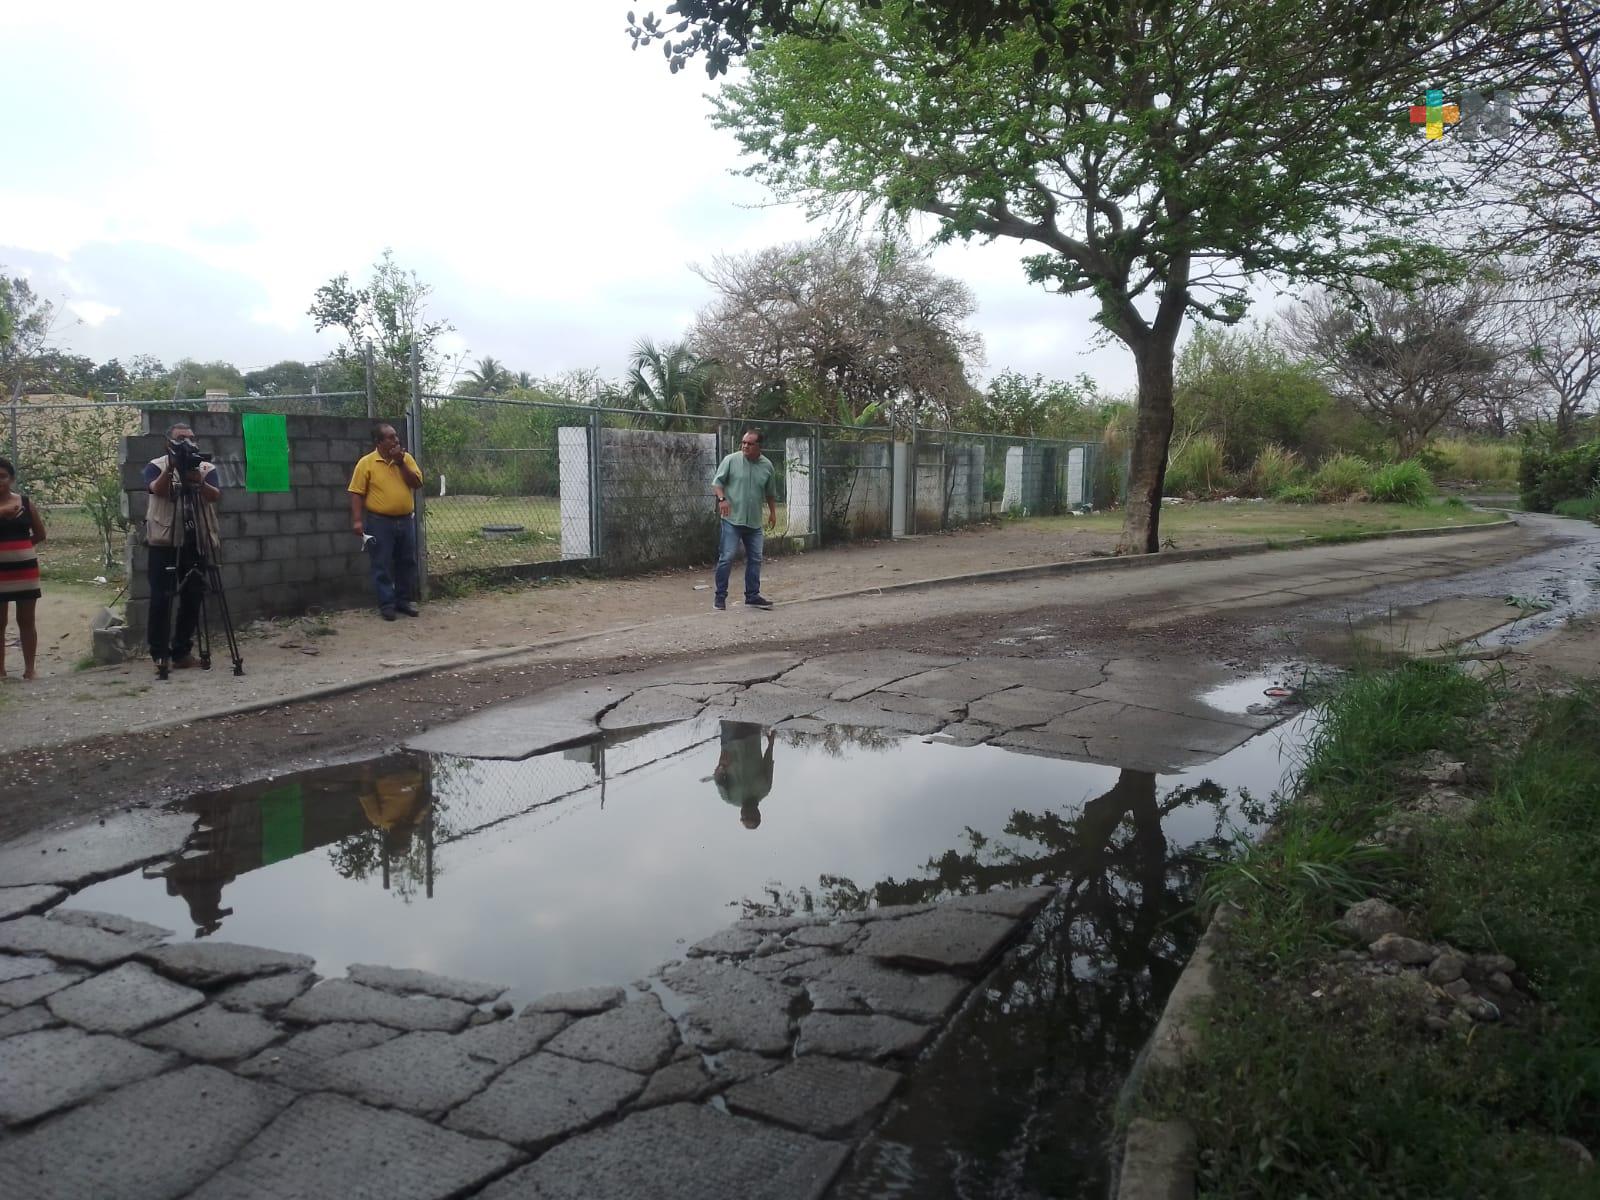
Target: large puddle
point(595, 865)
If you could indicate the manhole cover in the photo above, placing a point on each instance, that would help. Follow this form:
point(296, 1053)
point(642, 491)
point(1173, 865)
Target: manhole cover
point(500, 531)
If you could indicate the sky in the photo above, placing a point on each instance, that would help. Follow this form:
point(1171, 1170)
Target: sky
point(179, 178)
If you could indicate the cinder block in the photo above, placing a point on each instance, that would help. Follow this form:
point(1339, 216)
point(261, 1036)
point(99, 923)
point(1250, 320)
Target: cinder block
point(330, 474)
point(278, 501)
point(262, 524)
point(241, 549)
point(309, 450)
point(302, 473)
point(261, 574)
point(232, 575)
point(298, 521)
point(279, 548)
point(331, 520)
point(299, 570)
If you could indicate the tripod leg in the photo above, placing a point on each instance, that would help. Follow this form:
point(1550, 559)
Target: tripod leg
point(214, 587)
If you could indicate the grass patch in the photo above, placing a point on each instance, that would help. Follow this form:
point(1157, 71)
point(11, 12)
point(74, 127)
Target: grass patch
point(1480, 462)
point(1308, 1085)
point(1585, 507)
point(1401, 483)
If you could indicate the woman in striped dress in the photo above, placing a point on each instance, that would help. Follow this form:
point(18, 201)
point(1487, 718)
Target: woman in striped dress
point(20, 531)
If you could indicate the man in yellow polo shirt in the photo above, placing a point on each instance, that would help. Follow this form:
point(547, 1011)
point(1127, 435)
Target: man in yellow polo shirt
point(381, 508)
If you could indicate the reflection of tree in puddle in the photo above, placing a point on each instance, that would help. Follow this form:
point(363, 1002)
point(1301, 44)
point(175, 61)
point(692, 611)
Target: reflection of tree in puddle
point(405, 822)
point(1050, 1038)
point(838, 740)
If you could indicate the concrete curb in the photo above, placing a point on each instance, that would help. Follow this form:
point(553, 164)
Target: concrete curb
point(1006, 574)
point(1158, 1159)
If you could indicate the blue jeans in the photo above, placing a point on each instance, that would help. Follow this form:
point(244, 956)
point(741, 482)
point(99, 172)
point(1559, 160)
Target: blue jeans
point(391, 557)
point(728, 545)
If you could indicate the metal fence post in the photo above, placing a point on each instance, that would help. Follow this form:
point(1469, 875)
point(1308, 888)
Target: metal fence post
point(816, 486)
point(372, 408)
point(414, 438)
point(595, 490)
point(912, 459)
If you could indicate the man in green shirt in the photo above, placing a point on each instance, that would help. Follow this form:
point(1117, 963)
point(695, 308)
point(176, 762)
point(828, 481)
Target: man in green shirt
point(743, 774)
point(740, 484)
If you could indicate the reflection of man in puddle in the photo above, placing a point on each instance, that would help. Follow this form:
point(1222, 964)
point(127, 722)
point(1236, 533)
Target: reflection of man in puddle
point(395, 802)
point(744, 773)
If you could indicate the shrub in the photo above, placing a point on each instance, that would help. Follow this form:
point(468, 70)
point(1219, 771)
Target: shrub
point(1296, 493)
point(1455, 459)
point(1342, 477)
point(1587, 507)
point(1275, 469)
point(1550, 476)
point(1403, 483)
point(1197, 467)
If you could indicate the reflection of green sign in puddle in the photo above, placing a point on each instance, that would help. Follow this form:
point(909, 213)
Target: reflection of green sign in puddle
point(282, 823)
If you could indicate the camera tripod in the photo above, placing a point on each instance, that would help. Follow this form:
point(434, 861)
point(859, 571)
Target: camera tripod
point(192, 568)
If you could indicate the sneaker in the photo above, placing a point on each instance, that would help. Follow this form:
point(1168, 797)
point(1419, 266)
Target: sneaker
point(409, 609)
point(758, 602)
point(719, 605)
point(388, 614)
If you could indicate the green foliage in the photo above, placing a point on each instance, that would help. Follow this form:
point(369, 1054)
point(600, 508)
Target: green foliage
point(1243, 388)
point(1400, 483)
point(1296, 493)
point(1197, 468)
point(1586, 508)
point(1342, 477)
point(1548, 476)
point(1472, 461)
point(1274, 470)
point(669, 379)
point(26, 319)
point(1035, 407)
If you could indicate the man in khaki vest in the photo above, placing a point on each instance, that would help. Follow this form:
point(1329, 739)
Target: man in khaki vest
point(179, 558)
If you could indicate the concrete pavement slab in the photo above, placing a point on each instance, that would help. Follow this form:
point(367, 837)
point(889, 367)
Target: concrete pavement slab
point(966, 733)
point(213, 1034)
point(636, 1036)
point(826, 1097)
point(506, 1041)
point(544, 1098)
point(332, 1146)
point(154, 1140)
point(406, 982)
point(21, 901)
point(1010, 902)
point(732, 941)
point(52, 1068)
point(42, 935)
point(267, 994)
point(75, 857)
point(134, 931)
point(853, 983)
point(424, 1073)
point(342, 1000)
point(517, 731)
point(1022, 706)
point(856, 1035)
point(209, 964)
point(123, 1000)
point(862, 714)
point(687, 1079)
point(850, 674)
point(651, 706)
point(26, 1020)
point(30, 989)
point(680, 1152)
point(23, 966)
point(579, 1001)
point(293, 1062)
point(725, 1007)
point(947, 939)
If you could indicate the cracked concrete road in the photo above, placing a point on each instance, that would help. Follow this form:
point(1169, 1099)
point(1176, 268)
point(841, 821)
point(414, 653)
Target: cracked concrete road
point(1223, 616)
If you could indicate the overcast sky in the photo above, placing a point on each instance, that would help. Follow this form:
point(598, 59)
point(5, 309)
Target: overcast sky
point(181, 177)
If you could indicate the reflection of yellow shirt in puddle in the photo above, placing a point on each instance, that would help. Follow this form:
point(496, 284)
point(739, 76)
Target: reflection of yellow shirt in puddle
point(395, 799)
point(744, 774)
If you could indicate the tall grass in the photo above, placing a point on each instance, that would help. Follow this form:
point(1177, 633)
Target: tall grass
point(1275, 469)
point(1485, 462)
point(1197, 468)
point(1342, 477)
point(1401, 483)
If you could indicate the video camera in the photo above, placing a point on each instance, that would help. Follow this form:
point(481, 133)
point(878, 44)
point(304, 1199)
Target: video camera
point(185, 455)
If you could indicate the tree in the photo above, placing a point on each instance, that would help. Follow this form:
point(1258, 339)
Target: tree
point(1147, 147)
point(1562, 335)
point(797, 329)
point(1412, 362)
point(1054, 408)
point(669, 379)
point(26, 322)
point(487, 378)
point(389, 313)
point(1242, 387)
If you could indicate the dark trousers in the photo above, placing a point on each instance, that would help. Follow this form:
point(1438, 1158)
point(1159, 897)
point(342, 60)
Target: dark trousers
point(164, 582)
point(392, 557)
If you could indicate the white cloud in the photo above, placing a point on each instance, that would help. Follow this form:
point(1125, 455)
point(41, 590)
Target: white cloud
point(92, 312)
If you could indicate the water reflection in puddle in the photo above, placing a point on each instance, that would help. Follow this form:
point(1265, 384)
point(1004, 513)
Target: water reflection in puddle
point(595, 864)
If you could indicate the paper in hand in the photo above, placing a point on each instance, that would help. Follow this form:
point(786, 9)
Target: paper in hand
point(366, 540)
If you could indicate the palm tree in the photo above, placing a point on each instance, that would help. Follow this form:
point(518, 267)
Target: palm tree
point(669, 378)
point(488, 377)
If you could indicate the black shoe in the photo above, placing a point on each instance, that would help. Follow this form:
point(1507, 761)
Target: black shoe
point(409, 609)
point(387, 614)
point(758, 602)
point(719, 605)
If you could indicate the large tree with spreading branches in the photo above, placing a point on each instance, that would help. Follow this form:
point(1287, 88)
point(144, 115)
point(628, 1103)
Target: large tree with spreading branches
point(1158, 154)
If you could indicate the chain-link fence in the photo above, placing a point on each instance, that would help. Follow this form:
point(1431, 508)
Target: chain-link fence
point(956, 478)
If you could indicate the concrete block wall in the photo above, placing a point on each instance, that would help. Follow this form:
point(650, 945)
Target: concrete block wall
point(282, 552)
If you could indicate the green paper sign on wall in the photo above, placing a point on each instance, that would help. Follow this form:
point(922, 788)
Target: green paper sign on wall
point(266, 452)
